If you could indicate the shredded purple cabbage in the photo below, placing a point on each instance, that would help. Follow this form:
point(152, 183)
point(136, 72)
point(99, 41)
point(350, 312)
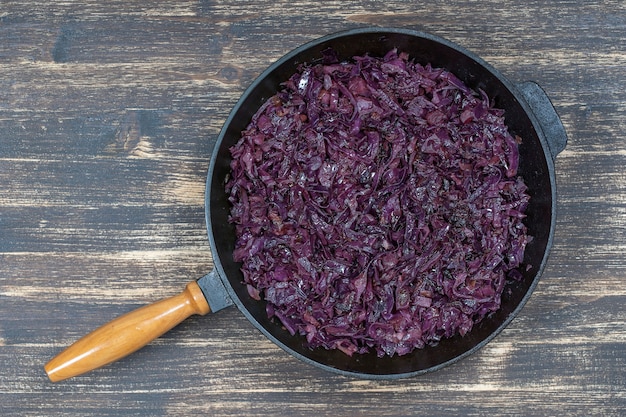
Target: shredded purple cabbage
point(377, 205)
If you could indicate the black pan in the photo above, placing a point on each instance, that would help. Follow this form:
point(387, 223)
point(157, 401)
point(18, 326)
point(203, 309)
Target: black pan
point(529, 114)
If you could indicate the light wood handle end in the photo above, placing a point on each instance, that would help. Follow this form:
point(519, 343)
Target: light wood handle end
point(126, 334)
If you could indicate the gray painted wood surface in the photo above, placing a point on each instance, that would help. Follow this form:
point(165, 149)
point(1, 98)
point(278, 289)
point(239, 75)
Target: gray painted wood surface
point(109, 111)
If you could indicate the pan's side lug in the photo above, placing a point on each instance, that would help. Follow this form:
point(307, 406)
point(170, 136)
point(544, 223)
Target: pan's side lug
point(545, 112)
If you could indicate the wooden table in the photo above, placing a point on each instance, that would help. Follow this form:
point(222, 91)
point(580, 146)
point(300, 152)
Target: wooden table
point(109, 111)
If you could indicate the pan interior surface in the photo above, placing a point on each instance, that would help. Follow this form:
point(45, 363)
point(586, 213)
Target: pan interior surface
point(535, 167)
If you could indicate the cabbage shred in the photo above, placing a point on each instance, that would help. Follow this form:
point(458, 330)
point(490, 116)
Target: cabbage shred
point(377, 205)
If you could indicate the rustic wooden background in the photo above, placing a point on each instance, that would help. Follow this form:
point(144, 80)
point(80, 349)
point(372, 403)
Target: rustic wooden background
point(109, 110)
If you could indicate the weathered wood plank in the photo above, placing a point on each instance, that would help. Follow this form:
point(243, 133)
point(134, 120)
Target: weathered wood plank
point(108, 116)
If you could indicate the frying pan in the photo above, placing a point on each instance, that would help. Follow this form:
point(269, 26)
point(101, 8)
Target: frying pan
point(529, 114)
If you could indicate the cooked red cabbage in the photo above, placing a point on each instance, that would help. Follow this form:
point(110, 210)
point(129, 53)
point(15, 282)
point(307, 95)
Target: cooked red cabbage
point(377, 205)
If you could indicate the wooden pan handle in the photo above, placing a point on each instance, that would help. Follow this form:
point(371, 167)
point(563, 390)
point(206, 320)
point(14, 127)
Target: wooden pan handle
point(126, 334)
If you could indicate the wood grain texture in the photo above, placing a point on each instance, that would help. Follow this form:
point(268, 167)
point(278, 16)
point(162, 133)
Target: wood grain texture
point(109, 111)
